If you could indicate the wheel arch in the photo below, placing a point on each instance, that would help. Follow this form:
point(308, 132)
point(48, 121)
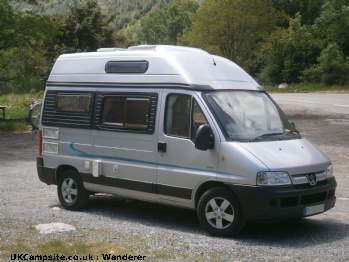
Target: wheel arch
point(219, 212)
point(61, 169)
point(206, 186)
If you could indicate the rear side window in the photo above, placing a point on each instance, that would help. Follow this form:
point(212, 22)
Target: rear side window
point(68, 109)
point(73, 103)
point(126, 112)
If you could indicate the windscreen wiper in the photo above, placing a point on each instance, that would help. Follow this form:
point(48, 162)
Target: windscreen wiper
point(265, 135)
point(281, 135)
point(288, 132)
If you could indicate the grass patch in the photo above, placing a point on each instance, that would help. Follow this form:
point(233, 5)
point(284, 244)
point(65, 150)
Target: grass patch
point(84, 244)
point(14, 126)
point(308, 87)
point(17, 108)
point(81, 245)
point(75, 244)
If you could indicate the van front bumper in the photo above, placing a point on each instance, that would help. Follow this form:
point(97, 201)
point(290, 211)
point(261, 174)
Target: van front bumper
point(277, 203)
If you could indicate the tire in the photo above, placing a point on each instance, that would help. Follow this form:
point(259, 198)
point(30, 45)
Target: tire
point(34, 116)
point(71, 191)
point(219, 212)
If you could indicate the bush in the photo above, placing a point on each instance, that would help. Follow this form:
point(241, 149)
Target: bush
point(17, 109)
point(332, 69)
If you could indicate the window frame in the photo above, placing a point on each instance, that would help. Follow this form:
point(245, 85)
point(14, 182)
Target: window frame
point(125, 112)
point(152, 99)
point(126, 67)
point(193, 100)
point(67, 119)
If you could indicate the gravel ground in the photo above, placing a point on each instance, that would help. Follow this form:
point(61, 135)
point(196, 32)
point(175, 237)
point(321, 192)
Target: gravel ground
point(26, 202)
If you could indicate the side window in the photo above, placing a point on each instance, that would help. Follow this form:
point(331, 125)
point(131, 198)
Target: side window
point(198, 119)
point(73, 103)
point(126, 112)
point(177, 115)
point(183, 116)
point(71, 109)
point(113, 111)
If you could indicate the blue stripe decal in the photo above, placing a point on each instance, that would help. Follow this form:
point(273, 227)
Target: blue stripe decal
point(69, 148)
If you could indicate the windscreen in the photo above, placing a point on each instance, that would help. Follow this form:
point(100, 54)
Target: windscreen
point(250, 116)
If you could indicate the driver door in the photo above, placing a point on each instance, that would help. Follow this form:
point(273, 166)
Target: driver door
point(182, 167)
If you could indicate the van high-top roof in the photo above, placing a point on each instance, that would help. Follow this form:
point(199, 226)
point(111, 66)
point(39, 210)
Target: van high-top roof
point(150, 65)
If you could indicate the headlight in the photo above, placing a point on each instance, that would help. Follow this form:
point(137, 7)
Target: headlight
point(273, 179)
point(329, 171)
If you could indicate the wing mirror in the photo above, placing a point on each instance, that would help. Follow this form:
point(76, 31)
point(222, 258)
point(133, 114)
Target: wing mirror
point(204, 138)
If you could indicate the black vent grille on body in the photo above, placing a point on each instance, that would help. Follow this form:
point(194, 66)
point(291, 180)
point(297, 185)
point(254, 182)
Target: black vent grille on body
point(51, 117)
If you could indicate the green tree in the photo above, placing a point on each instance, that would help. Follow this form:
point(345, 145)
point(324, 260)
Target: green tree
point(332, 25)
point(85, 28)
point(288, 53)
point(270, 59)
point(308, 9)
point(232, 28)
point(130, 35)
point(332, 67)
point(165, 25)
point(22, 38)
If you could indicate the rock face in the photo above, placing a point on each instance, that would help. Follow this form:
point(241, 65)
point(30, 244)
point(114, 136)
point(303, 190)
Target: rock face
point(54, 228)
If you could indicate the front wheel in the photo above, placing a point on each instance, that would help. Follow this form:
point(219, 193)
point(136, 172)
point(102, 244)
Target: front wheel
point(71, 191)
point(219, 212)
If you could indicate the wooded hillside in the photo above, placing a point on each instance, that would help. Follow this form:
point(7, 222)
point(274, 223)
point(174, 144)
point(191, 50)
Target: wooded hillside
point(287, 41)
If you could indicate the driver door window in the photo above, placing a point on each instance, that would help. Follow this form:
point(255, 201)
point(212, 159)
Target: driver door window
point(183, 116)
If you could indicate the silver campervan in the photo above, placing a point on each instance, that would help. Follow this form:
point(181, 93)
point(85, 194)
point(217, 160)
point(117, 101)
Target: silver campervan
point(178, 126)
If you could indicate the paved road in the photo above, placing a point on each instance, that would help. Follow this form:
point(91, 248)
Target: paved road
point(333, 103)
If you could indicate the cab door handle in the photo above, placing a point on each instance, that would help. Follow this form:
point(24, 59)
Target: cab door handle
point(162, 147)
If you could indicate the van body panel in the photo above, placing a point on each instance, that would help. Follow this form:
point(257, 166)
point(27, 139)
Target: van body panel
point(180, 68)
point(237, 165)
point(99, 186)
point(293, 156)
point(124, 158)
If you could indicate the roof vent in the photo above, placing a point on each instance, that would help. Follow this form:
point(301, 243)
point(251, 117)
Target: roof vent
point(110, 49)
point(142, 47)
point(126, 67)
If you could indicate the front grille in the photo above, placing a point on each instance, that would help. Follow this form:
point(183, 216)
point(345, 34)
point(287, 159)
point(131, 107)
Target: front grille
point(289, 202)
point(304, 200)
point(313, 198)
point(331, 194)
